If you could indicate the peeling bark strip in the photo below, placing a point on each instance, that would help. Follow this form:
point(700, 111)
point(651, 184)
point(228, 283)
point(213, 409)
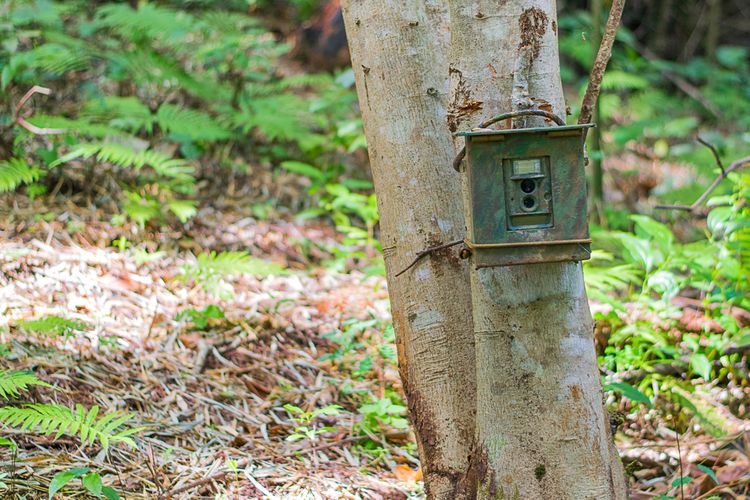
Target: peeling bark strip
point(542, 431)
point(400, 52)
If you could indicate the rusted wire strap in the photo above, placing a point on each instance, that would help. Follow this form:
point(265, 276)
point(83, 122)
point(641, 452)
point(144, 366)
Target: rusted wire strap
point(505, 116)
point(428, 251)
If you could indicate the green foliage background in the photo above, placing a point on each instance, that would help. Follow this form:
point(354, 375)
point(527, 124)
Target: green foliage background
point(148, 101)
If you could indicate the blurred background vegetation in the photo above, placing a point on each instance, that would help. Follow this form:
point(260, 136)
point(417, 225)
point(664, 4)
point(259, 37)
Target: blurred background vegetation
point(157, 110)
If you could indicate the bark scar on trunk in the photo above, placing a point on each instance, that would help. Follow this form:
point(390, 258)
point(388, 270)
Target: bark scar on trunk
point(462, 105)
point(533, 24)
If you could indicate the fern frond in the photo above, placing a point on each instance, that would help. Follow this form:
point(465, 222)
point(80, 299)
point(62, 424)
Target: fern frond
point(127, 113)
point(194, 124)
point(608, 279)
point(184, 210)
point(129, 157)
point(52, 325)
point(149, 67)
point(270, 88)
point(227, 22)
point(278, 117)
point(209, 270)
point(620, 80)
point(140, 209)
point(12, 383)
point(14, 172)
point(57, 58)
point(61, 420)
point(151, 21)
point(228, 263)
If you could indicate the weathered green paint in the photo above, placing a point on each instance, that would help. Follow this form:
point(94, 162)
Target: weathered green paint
point(527, 195)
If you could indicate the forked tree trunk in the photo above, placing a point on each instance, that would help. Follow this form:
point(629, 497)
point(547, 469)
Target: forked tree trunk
point(541, 426)
point(542, 430)
point(399, 55)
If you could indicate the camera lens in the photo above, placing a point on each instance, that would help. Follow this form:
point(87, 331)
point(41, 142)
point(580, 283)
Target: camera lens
point(528, 186)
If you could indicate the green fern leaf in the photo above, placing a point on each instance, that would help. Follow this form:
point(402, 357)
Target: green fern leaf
point(126, 113)
point(278, 117)
point(608, 279)
point(191, 123)
point(209, 270)
point(60, 420)
point(14, 172)
point(53, 325)
point(12, 383)
point(141, 209)
point(151, 21)
point(227, 22)
point(620, 80)
point(228, 263)
point(184, 210)
point(53, 58)
point(129, 157)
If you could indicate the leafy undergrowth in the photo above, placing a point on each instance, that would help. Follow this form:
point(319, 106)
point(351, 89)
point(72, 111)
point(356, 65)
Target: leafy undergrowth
point(264, 372)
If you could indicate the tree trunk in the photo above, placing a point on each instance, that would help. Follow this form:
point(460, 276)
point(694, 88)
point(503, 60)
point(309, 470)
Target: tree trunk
point(399, 56)
point(542, 430)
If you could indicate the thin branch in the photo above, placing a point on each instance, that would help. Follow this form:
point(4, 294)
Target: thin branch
point(38, 130)
point(36, 89)
point(736, 165)
point(428, 251)
point(600, 64)
point(21, 119)
point(713, 150)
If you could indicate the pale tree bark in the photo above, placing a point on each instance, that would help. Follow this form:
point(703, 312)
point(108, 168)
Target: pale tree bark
point(542, 430)
point(399, 56)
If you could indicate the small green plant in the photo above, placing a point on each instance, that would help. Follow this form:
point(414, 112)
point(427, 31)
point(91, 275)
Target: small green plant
point(210, 270)
point(53, 325)
point(200, 319)
point(360, 347)
point(307, 427)
point(347, 338)
point(91, 482)
point(380, 414)
point(143, 256)
point(121, 243)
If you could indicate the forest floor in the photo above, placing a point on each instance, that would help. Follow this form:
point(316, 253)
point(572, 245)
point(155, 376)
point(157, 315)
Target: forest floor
point(210, 396)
